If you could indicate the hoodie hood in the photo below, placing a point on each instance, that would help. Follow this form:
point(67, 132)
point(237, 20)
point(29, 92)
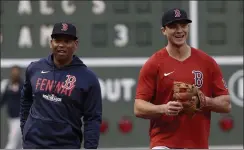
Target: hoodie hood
point(75, 61)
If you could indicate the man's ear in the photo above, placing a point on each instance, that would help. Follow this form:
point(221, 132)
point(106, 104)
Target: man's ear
point(163, 30)
point(50, 44)
point(76, 44)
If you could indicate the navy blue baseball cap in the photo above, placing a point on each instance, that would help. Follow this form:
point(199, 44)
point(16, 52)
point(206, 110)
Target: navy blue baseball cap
point(174, 15)
point(64, 29)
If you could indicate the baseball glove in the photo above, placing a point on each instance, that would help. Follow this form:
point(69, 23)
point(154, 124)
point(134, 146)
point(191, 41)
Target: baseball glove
point(192, 99)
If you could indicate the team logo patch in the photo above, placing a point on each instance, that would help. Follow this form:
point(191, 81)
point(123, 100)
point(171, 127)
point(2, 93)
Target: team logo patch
point(64, 27)
point(177, 13)
point(223, 80)
point(69, 82)
point(198, 78)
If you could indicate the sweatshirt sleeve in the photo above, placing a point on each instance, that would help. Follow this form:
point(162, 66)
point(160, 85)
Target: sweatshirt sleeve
point(92, 116)
point(25, 99)
point(4, 84)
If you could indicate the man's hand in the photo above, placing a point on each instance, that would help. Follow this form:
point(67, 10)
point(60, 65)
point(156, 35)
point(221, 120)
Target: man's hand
point(146, 110)
point(172, 108)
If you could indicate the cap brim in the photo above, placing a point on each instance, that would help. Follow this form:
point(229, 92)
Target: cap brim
point(60, 34)
point(177, 20)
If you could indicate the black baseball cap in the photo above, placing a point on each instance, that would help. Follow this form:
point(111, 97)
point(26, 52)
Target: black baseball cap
point(174, 15)
point(64, 29)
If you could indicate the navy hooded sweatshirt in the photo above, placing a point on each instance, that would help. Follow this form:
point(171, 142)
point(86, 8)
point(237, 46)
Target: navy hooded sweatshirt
point(54, 101)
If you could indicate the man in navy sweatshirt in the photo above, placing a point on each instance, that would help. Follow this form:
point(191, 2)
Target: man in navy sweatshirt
point(59, 92)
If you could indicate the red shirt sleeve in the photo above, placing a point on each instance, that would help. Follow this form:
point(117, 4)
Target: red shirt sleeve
point(218, 83)
point(147, 80)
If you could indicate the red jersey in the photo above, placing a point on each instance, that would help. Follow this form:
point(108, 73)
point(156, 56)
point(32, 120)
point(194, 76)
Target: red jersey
point(155, 85)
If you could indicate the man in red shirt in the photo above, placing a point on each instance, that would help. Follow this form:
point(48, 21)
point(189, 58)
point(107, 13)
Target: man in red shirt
point(179, 62)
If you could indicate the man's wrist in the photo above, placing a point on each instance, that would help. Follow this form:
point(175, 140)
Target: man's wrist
point(208, 104)
point(161, 109)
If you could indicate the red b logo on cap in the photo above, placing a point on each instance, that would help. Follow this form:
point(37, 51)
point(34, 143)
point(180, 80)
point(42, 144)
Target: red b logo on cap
point(177, 13)
point(64, 27)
